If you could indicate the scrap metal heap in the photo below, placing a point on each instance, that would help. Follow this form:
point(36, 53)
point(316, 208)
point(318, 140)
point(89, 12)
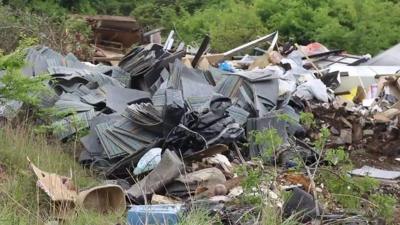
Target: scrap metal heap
point(174, 125)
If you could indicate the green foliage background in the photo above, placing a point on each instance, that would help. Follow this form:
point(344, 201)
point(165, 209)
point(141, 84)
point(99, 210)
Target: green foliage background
point(359, 26)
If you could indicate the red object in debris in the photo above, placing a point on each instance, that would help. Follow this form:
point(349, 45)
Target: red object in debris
point(315, 48)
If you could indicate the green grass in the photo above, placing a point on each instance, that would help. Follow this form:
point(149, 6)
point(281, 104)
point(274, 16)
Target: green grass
point(199, 216)
point(21, 201)
point(272, 216)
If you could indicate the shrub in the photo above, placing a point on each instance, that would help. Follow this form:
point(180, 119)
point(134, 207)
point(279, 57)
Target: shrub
point(15, 85)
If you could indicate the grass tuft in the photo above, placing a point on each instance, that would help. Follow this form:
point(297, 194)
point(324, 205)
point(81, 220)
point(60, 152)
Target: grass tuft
point(21, 201)
point(199, 216)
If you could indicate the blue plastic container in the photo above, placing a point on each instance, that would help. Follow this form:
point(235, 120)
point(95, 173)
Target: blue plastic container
point(167, 214)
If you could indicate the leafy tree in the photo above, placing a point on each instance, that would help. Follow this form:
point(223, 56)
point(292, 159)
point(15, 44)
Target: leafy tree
point(229, 26)
point(359, 26)
point(153, 15)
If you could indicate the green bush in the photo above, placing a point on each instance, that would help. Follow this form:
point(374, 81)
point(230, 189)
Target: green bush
point(229, 26)
point(358, 26)
point(15, 85)
point(385, 206)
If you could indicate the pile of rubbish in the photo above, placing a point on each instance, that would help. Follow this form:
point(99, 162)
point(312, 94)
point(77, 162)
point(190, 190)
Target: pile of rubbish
point(169, 127)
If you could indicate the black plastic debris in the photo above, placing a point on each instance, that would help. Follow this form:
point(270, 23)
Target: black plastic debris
point(302, 204)
point(198, 130)
point(145, 116)
point(173, 110)
point(118, 98)
point(92, 145)
point(145, 63)
point(269, 121)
